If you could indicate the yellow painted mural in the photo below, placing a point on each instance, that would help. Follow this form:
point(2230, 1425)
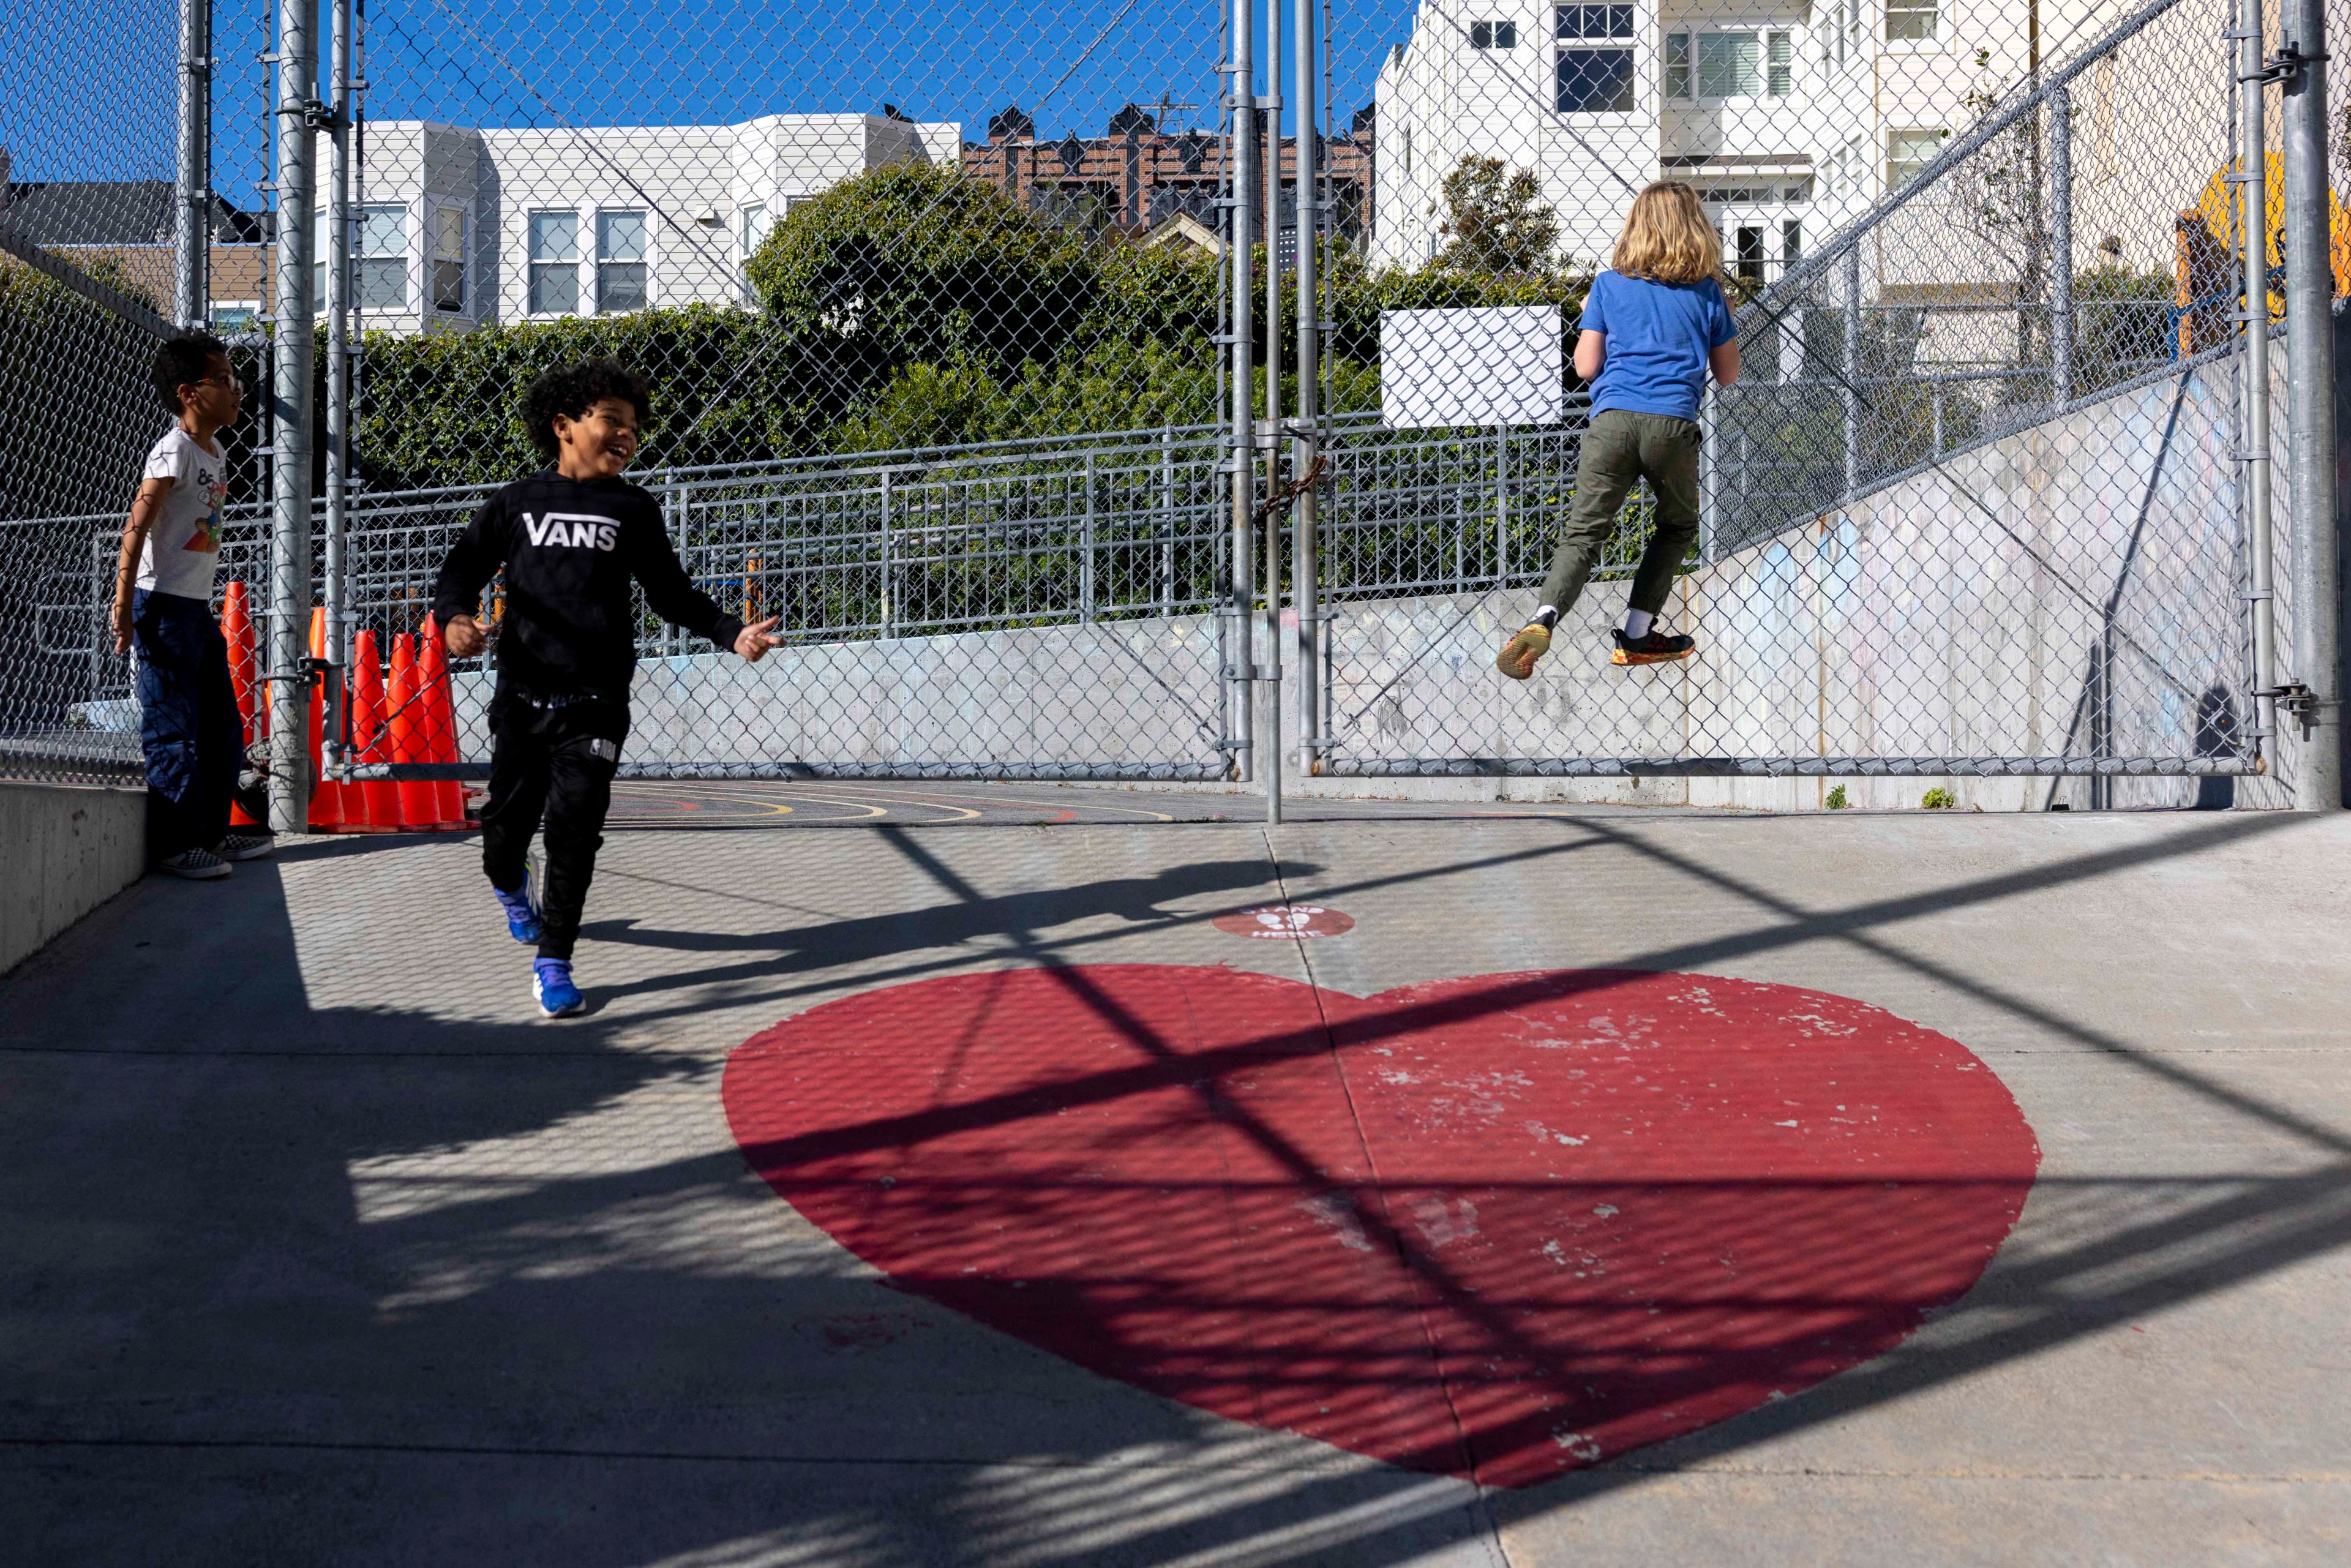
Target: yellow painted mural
point(2219, 208)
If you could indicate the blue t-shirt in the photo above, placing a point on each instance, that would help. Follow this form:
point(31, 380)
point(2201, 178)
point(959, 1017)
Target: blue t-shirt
point(1658, 337)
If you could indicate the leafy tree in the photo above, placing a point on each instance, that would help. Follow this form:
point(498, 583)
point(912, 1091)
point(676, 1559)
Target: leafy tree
point(915, 262)
point(1493, 222)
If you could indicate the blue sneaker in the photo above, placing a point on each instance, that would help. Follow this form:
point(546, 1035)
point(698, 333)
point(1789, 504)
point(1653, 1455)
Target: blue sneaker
point(522, 913)
point(551, 983)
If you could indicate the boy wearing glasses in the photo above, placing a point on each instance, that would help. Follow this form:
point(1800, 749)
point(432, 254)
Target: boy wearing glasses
point(188, 721)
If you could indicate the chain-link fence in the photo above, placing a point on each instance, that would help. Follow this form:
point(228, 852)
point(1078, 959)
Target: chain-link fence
point(1974, 505)
point(79, 313)
point(1019, 368)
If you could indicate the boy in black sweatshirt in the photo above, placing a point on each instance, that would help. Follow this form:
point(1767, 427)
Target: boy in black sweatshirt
point(571, 538)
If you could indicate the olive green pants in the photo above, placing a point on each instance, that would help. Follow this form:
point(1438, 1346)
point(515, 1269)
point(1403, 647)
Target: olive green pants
point(1619, 448)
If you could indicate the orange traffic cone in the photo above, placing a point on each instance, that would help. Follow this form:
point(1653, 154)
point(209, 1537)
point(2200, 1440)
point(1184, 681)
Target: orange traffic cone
point(379, 798)
point(440, 721)
point(252, 717)
point(236, 630)
point(326, 794)
point(406, 723)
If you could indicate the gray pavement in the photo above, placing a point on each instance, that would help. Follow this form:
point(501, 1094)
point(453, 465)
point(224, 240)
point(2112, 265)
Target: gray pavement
point(322, 1248)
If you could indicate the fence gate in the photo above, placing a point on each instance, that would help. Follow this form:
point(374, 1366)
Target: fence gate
point(966, 262)
point(1979, 503)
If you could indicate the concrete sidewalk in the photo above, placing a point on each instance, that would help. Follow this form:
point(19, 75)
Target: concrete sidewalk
point(322, 1248)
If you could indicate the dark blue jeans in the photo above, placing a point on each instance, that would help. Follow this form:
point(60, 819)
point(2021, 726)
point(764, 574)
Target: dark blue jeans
point(188, 722)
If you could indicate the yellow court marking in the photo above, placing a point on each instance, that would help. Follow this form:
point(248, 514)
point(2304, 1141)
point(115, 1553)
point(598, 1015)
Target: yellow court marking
point(828, 800)
point(685, 792)
point(1056, 806)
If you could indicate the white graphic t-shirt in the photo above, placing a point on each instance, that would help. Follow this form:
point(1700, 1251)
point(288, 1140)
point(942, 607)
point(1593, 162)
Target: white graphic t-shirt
point(184, 547)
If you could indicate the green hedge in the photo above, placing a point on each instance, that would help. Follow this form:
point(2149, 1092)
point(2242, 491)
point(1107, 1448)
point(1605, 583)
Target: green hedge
point(908, 306)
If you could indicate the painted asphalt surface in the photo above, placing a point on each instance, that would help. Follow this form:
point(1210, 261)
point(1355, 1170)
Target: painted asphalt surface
point(707, 807)
point(958, 1190)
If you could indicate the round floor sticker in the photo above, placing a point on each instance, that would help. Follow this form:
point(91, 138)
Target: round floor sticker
point(1281, 921)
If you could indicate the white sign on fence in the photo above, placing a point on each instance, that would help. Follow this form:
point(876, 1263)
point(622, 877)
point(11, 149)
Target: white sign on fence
point(1491, 364)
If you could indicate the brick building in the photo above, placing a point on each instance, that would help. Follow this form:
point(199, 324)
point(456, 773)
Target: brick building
point(1137, 178)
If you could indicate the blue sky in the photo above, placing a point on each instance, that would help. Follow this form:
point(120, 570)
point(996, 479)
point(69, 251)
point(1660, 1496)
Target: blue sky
point(94, 100)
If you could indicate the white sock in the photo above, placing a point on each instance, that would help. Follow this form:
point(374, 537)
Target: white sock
point(1636, 624)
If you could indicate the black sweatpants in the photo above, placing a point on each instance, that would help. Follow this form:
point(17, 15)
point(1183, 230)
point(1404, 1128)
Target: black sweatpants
point(556, 759)
point(188, 722)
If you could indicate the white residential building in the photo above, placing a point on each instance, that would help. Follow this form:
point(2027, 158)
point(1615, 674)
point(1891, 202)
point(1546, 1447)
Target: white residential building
point(1791, 118)
point(457, 226)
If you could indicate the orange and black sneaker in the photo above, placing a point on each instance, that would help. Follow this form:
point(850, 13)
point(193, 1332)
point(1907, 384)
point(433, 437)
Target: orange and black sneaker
point(1652, 647)
point(1517, 659)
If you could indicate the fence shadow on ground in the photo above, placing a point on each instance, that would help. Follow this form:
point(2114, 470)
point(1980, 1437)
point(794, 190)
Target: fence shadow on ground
point(313, 1326)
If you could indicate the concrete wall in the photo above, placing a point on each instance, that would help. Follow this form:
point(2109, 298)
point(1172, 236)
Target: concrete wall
point(64, 850)
point(1133, 694)
point(1953, 614)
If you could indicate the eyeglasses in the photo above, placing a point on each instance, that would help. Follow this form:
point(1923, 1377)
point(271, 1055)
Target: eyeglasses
point(228, 380)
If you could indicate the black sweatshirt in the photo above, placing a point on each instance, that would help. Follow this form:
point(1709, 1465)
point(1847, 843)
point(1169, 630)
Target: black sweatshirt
point(569, 548)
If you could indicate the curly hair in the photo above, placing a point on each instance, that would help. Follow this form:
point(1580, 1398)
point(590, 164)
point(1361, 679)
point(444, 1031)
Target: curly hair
point(182, 359)
point(571, 391)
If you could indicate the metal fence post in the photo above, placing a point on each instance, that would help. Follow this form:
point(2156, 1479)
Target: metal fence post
point(2061, 246)
point(2251, 177)
point(2310, 410)
point(338, 385)
point(1270, 673)
point(1852, 367)
point(289, 553)
point(1709, 497)
point(1241, 89)
point(1307, 212)
point(1501, 504)
point(192, 281)
point(889, 618)
point(1166, 562)
point(1086, 548)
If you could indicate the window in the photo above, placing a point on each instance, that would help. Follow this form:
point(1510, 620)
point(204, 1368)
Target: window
point(1195, 198)
point(1791, 239)
point(1846, 173)
point(621, 253)
point(1493, 34)
point(383, 258)
point(1911, 21)
point(1907, 152)
point(1085, 205)
point(1729, 65)
point(554, 263)
point(379, 258)
point(1749, 254)
point(1842, 44)
point(234, 321)
point(449, 258)
point(1595, 79)
point(751, 227)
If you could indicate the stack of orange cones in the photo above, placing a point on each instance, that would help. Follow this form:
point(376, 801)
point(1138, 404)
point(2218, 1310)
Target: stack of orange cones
point(252, 713)
point(378, 797)
point(419, 801)
point(326, 794)
point(440, 722)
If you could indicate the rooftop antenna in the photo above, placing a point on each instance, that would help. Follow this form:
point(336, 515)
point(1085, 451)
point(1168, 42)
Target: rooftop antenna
point(1163, 110)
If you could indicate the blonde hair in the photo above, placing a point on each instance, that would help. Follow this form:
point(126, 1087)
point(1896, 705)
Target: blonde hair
point(1667, 238)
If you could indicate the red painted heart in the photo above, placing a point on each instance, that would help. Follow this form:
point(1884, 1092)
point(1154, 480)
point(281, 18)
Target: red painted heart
point(1501, 1227)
